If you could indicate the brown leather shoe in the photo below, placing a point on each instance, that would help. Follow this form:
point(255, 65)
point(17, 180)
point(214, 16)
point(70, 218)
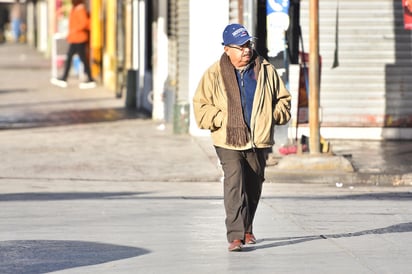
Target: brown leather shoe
point(236, 245)
point(250, 239)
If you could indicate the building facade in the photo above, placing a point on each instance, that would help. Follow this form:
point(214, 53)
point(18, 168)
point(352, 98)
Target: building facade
point(154, 53)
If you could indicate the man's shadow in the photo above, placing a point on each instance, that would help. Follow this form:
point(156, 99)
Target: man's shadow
point(284, 241)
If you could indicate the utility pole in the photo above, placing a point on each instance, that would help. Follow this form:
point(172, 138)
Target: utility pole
point(314, 140)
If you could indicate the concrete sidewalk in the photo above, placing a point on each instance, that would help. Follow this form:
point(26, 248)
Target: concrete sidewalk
point(91, 128)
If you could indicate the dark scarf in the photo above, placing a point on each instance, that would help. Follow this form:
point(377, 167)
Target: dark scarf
point(237, 130)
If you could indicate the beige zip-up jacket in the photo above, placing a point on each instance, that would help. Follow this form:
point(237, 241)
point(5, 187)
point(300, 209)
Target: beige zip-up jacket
point(271, 106)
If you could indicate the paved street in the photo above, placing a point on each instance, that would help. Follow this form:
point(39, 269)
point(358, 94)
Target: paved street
point(112, 226)
point(89, 187)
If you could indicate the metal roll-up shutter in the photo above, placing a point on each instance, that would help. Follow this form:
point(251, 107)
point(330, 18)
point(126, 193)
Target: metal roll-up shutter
point(172, 44)
point(177, 93)
point(182, 36)
point(372, 86)
point(171, 88)
point(234, 11)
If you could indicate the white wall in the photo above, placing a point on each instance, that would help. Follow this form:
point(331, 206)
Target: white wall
point(160, 62)
point(42, 26)
point(207, 22)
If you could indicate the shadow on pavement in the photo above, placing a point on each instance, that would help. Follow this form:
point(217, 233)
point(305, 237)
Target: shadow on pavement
point(278, 242)
point(27, 105)
point(27, 197)
point(52, 196)
point(45, 196)
point(388, 196)
point(68, 117)
point(44, 256)
point(16, 90)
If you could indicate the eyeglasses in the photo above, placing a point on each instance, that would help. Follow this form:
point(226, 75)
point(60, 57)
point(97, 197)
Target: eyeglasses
point(249, 45)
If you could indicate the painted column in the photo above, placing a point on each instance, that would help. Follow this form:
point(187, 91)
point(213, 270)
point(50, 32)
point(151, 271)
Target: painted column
point(96, 23)
point(109, 55)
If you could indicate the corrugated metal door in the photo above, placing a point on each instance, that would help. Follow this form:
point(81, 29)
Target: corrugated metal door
point(372, 86)
point(178, 33)
point(171, 85)
point(234, 12)
point(182, 35)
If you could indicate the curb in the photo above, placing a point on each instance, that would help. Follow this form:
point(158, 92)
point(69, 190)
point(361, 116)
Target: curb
point(338, 178)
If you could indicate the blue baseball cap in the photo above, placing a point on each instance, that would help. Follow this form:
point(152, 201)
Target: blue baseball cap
point(235, 34)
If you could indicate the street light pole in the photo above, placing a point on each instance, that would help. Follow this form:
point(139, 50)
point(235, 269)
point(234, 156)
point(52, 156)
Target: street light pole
point(314, 140)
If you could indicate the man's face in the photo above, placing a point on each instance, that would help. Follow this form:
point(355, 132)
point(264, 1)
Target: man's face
point(240, 56)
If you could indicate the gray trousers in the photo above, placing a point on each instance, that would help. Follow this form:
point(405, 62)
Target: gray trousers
point(243, 178)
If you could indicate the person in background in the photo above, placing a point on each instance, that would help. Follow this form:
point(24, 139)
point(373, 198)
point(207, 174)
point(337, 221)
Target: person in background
point(4, 19)
point(15, 15)
point(240, 99)
point(78, 39)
